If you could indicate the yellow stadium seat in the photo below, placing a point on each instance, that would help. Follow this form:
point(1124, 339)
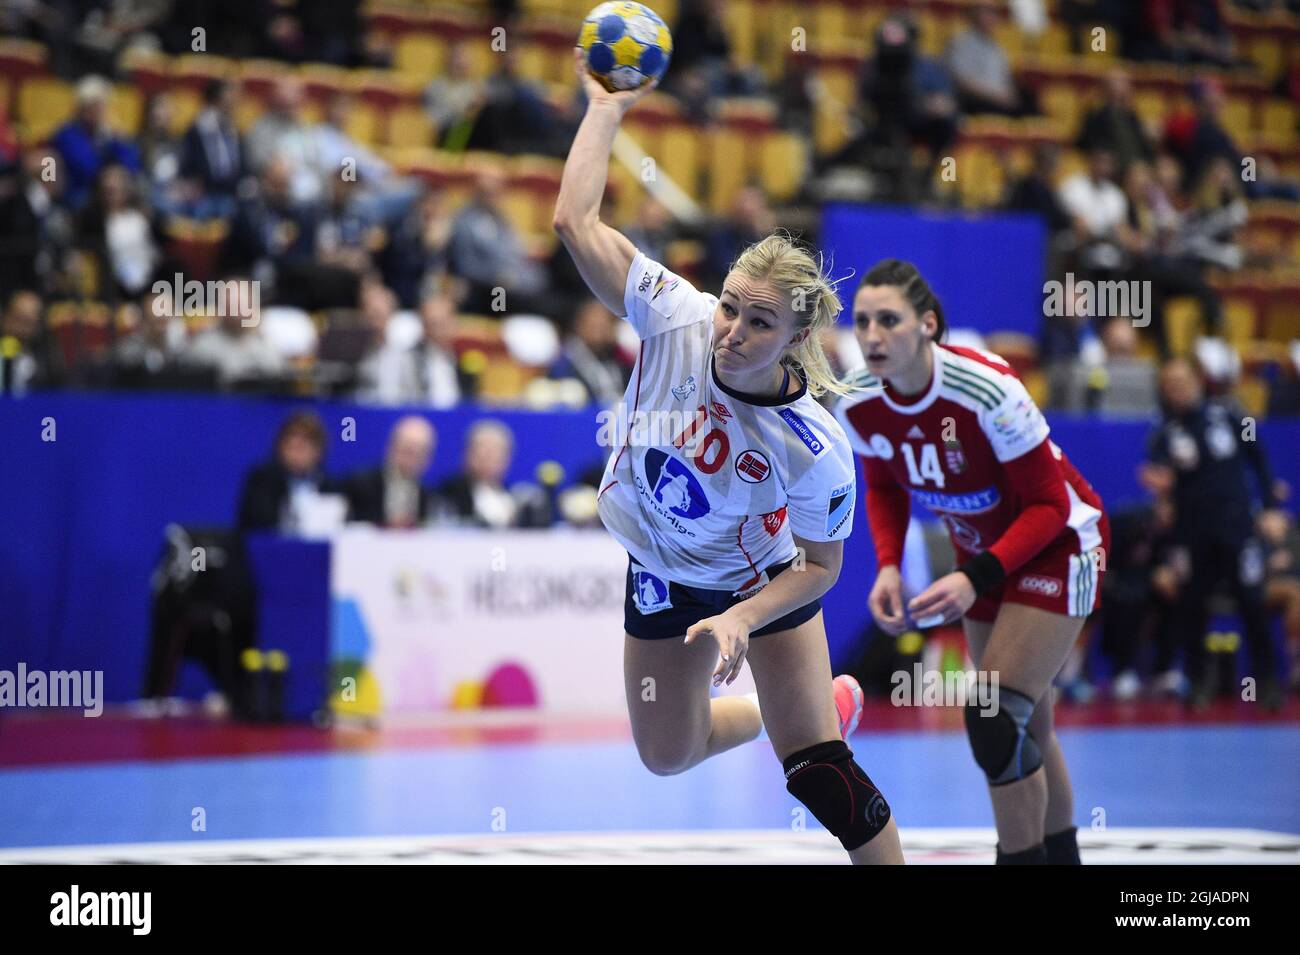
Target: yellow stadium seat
point(418, 54)
point(363, 126)
point(1278, 123)
point(409, 126)
point(186, 104)
point(1011, 40)
point(728, 149)
point(742, 30)
point(1266, 53)
point(1284, 322)
point(126, 110)
point(1060, 101)
point(1236, 118)
point(1150, 106)
point(44, 104)
point(1239, 321)
point(247, 111)
point(1182, 323)
point(519, 208)
point(1252, 394)
point(783, 163)
point(679, 157)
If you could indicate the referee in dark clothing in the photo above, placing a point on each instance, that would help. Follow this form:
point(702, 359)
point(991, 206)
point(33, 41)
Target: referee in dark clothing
point(1199, 454)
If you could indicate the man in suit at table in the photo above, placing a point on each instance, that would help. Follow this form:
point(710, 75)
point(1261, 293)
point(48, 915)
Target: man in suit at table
point(392, 495)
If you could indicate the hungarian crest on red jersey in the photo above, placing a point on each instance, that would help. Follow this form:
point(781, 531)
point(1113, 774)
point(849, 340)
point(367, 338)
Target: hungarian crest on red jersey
point(954, 457)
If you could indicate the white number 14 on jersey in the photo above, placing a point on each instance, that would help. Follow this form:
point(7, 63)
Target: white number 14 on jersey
point(929, 470)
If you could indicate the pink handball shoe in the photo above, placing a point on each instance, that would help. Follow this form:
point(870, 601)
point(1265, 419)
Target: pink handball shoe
point(848, 700)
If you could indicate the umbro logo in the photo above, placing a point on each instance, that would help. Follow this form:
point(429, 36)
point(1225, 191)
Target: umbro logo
point(916, 434)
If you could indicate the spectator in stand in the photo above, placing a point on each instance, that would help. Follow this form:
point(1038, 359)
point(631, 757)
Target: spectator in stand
point(515, 117)
point(652, 229)
point(1099, 211)
point(86, 144)
point(453, 98)
point(417, 248)
point(1161, 253)
point(702, 49)
point(378, 371)
point(345, 234)
point(1139, 592)
point(280, 133)
point(275, 238)
point(30, 359)
point(591, 356)
point(1128, 383)
point(332, 31)
point(1200, 140)
point(384, 197)
point(1116, 126)
point(1036, 191)
point(750, 219)
point(1182, 31)
point(393, 495)
point(486, 251)
point(212, 157)
point(152, 346)
point(36, 231)
point(981, 71)
point(478, 495)
point(160, 155)
point(118, 229)
point(426, 373)
point(234, 346)
point(276, 493)
point(907, 99)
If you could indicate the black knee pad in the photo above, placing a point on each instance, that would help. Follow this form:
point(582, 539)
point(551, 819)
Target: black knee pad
point(1002, 745)
point(825, 778)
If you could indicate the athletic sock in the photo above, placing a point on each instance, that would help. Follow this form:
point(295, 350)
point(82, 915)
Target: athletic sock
point(1034, 855)
point(1063, 847)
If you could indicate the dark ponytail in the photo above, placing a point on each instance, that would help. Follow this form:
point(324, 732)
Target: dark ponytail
point(904, 277)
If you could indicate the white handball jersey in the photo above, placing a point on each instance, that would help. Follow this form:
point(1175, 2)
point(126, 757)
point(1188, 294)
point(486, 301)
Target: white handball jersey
point(705, 485)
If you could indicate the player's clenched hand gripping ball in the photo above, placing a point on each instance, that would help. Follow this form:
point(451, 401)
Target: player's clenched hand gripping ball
point(625, 45)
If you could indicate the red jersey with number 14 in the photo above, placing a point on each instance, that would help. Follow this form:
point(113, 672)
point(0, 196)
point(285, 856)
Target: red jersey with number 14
point(974, 449)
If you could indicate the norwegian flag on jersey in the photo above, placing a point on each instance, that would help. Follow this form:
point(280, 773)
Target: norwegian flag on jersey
point(752, 467)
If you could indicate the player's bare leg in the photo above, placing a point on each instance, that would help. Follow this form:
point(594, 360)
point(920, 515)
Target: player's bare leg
point(792, 671)
point(1060, 792)
point(1026, 649)
point(674, 723)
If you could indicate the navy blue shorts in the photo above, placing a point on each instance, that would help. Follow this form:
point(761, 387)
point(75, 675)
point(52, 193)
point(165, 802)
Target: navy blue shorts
point(658, 609)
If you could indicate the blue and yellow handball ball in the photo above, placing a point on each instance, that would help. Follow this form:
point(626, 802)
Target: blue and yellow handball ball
point(626, 45)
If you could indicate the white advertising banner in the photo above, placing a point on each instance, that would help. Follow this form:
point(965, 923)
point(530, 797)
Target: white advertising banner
point(432, 619)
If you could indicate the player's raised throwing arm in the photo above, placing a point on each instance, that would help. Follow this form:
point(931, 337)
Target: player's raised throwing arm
point(603, 254)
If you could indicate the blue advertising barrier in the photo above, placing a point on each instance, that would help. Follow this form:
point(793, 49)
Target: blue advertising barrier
point(89, 481)
point(987, 268)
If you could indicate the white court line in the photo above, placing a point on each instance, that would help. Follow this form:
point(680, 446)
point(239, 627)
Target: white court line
point(699, 847)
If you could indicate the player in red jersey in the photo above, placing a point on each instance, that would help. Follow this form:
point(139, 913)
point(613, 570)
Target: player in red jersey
point(955, 429)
